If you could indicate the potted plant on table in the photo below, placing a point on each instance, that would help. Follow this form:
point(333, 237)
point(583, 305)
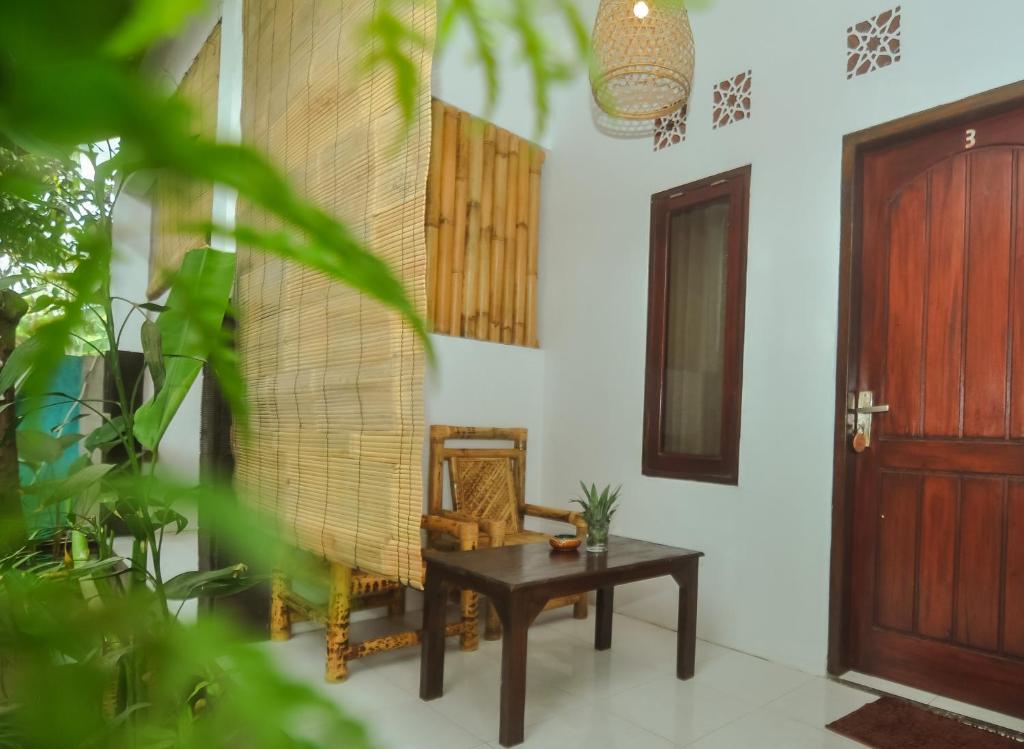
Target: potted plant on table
point(598, 508)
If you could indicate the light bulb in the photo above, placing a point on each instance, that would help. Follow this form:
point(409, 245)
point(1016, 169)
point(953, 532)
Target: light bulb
point(640, 10)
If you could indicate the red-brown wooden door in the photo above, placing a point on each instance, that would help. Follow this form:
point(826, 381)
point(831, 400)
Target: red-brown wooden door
point(937, 555)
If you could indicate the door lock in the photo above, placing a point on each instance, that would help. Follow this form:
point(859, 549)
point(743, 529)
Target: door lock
point(861, 407)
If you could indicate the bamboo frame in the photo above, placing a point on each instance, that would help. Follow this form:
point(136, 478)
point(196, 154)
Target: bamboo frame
point(353, 590)
point(536, 162)
point(482, 229)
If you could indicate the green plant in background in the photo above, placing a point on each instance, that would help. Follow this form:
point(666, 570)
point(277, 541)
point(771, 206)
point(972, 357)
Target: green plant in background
point(598, 509)
point(91, 648)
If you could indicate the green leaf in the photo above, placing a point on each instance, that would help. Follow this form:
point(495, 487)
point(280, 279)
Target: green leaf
point(110, 432)
point(196, 306)
point(19, 363)
point(40, 447)
point(152, 352)
point(166, 516)
point(71, 487)
point(222, 582)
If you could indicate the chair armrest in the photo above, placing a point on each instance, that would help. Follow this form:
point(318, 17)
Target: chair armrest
point(466, 531)
point(495, 529)
point(563, 516)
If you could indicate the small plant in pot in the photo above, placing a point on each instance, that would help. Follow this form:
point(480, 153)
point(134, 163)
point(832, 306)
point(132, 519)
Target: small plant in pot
point(598, 508)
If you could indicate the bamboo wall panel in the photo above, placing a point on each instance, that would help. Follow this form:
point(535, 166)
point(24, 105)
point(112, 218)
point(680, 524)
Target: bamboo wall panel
point(335, 380)
point(482, 226)
point(179, 204)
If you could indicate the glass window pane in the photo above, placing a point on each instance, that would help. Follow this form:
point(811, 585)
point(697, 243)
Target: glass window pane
point(695, 356)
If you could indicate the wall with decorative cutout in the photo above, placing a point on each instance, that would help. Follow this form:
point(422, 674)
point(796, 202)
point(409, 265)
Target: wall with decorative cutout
point(775, 526)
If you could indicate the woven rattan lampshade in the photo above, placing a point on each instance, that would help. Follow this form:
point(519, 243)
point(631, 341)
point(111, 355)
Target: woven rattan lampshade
point(643, 58)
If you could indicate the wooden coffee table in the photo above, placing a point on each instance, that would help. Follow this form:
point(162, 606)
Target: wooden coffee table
point(519, 580)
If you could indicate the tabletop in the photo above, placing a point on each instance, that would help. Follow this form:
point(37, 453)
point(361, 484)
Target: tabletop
point(533, 564)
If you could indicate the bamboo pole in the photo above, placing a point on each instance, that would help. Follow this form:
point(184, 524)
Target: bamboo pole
point(434, 202)
point(337, 622)
point(508, 298)
point(446, 228)
point(472, 272)
point(459, 244)
point(536, 162)
point(498, 240)
point(483, 285)
point(522, 243)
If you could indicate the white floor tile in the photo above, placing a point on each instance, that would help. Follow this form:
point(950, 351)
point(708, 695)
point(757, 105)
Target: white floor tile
point(889, 687)
point(979, 713)
point(417, 727)
point(681, 711)
point(819, 702)
point(593, 728)
point(767, 730)
point(750, 678)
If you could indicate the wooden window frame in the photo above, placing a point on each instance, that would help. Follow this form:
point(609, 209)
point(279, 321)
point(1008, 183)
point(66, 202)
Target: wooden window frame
point(724, 467)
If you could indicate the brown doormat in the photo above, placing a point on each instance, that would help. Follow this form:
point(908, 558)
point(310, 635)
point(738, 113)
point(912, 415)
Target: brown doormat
point(890, 723)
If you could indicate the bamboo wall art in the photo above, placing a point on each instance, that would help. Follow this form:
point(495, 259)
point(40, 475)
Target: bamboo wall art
point(178, 204)
point(482, 229)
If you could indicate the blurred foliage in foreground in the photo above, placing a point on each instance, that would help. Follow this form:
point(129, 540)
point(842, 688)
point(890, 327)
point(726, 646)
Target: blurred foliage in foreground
point(92, 651)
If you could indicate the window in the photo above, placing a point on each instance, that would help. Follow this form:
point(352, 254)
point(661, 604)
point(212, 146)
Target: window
point(695, 329)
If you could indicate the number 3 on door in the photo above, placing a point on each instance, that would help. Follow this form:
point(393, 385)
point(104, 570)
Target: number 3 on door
point(970, 138)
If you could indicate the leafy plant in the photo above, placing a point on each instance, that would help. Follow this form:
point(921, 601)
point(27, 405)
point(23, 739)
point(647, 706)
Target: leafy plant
point(598, 506)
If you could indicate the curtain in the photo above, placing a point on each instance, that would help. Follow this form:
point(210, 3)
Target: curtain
point(696, 324)
point(335, 379)
point(179, 204)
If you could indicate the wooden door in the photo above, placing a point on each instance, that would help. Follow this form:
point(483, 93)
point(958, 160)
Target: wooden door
point(937, 544)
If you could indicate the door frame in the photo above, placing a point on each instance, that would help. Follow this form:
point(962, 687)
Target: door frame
point(855, 145)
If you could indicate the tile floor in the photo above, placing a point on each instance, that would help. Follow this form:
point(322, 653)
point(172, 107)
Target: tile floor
point(627, 697)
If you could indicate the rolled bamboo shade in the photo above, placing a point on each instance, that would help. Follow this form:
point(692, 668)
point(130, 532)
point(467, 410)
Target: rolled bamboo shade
point(483, 223)
point(178, 204)
point(335, 380)
point(643, 58)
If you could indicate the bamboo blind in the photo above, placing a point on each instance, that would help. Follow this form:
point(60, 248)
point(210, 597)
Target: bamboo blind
point(483, 219)
point(335, 379)
point(178, 204)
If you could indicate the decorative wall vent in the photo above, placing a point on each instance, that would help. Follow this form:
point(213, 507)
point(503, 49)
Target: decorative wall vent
point(732, 100)
point(670, 129)
point(873, 44)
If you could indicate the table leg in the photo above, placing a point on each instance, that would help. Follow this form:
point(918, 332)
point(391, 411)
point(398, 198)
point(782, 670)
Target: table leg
point(515, 621)
point(432, 649)
point(686, 632)
point(603, 625)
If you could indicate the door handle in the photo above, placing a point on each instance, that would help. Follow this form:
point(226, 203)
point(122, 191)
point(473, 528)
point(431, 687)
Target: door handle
point(861, 408)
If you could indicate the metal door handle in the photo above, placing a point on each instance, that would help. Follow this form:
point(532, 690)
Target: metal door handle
point(862, 407)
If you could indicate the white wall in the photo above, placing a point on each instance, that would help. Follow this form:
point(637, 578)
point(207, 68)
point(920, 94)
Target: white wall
point(490, 384)
point(764, 583)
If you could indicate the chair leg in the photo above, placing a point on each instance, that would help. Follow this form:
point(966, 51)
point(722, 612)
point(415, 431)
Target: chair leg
point(280, 616)
point(337, 622)
point(397, 605)
point(492, 629)
point(579, 609)
point(469, 638)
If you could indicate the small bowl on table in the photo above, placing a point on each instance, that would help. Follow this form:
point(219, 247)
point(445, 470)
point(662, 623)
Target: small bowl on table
point(565, 542)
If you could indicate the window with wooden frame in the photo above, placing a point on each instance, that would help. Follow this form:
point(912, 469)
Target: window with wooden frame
point(695, 329)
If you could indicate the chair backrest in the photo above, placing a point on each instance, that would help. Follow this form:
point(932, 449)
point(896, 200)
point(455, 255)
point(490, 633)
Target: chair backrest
point(486, 482)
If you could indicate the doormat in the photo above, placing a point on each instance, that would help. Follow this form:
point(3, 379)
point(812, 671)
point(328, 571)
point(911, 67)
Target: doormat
point(891, 723)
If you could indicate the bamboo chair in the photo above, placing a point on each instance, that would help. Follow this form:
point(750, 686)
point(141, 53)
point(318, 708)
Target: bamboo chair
point(488, 486)
point(355, 590)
